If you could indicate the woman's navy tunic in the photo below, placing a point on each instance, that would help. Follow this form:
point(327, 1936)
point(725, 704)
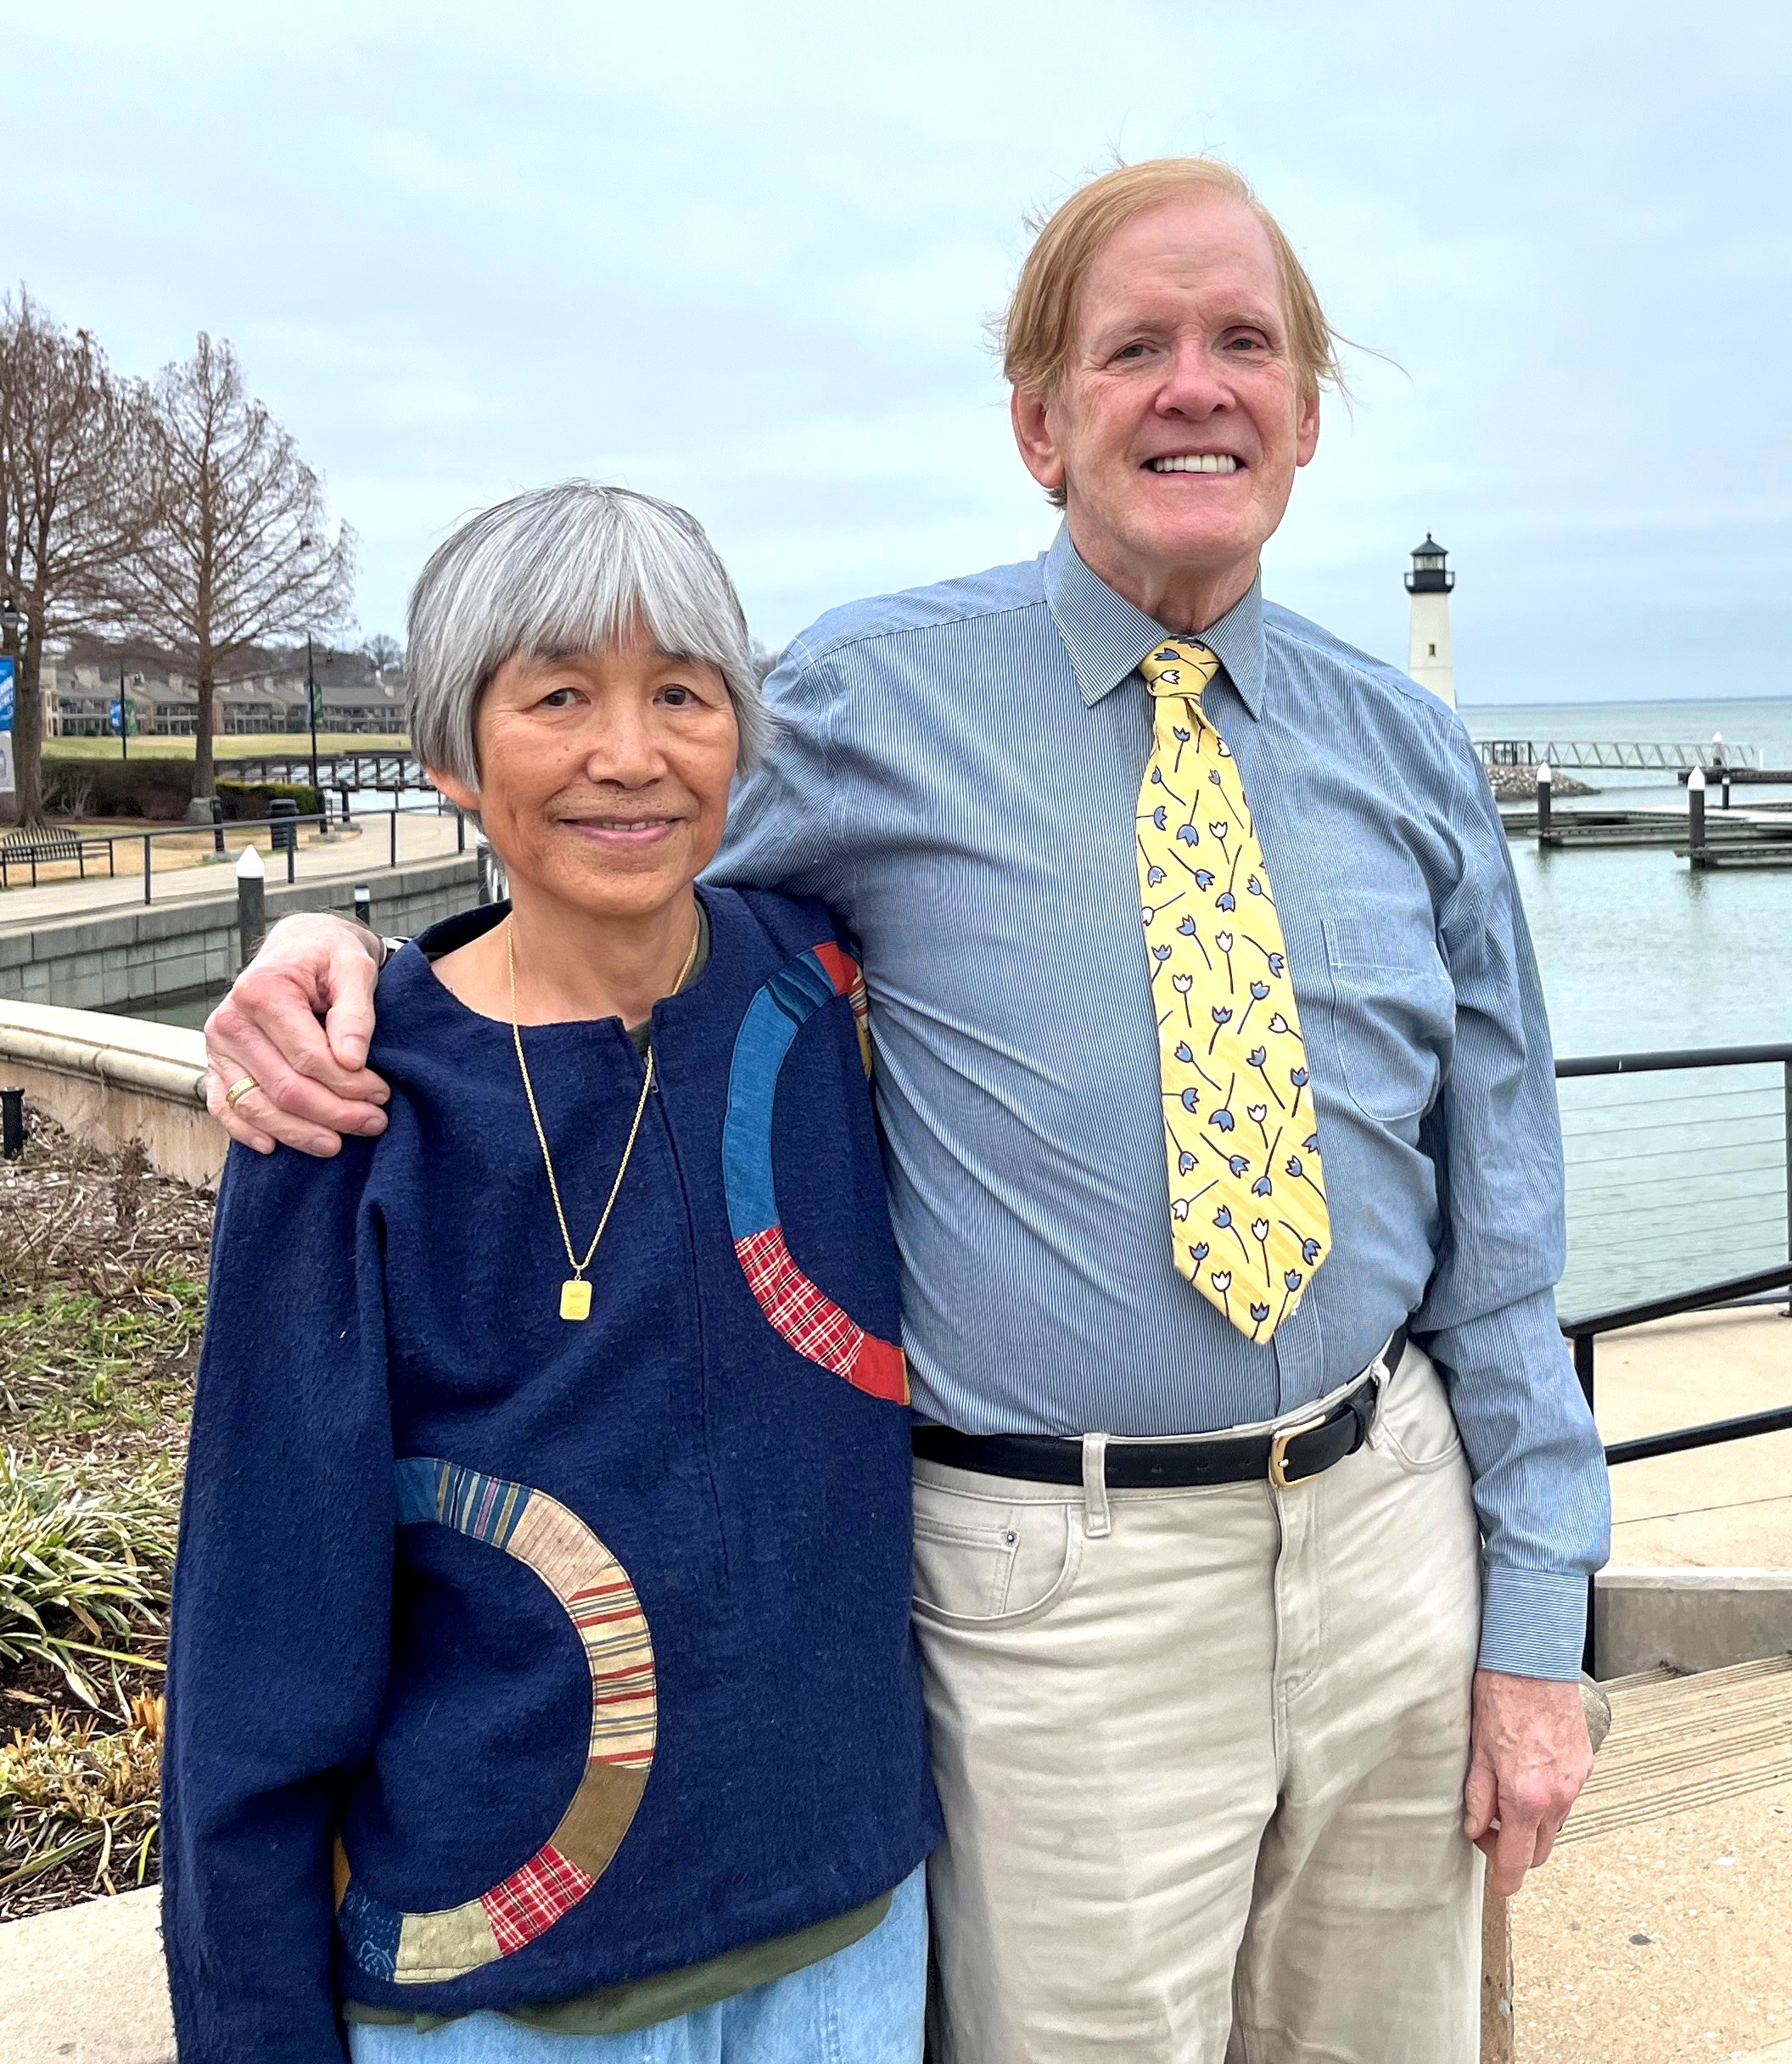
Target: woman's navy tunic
point(515, 1656)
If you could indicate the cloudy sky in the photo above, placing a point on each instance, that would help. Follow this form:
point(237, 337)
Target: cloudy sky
point(743, 256)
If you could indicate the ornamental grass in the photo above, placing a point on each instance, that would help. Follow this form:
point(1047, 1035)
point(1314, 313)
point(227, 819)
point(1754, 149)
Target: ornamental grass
point(81, 1791)
point(81, 1568)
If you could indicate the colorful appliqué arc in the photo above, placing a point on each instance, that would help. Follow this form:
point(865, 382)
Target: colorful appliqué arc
point(797, 1309)
point(419, 1948)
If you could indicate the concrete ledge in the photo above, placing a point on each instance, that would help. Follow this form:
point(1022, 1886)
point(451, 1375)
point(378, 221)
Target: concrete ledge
point(86, 1985)
point(1690, 1620)
point(113, 1080)
point(135, 954)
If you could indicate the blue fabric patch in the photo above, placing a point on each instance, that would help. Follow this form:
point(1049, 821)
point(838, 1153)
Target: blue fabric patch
point(787, 1001)
point(370, 1931)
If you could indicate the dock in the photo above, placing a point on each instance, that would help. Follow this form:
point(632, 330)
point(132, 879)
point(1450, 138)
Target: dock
point(1717, 757)
point(1731, 837)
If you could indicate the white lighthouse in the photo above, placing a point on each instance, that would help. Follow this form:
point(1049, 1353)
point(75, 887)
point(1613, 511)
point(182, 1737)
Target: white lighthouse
point(1430, 662)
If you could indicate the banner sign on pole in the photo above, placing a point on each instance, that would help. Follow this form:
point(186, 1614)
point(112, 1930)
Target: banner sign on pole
point(8, 677)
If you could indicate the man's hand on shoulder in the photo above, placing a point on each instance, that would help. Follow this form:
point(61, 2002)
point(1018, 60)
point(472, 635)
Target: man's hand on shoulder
point(310, 1081)
point(1529, 1757)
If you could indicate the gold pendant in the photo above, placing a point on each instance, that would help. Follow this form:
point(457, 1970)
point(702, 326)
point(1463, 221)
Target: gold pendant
point(575, 1298)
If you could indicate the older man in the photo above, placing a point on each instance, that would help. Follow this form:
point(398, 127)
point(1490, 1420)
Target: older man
point(1255, 1500)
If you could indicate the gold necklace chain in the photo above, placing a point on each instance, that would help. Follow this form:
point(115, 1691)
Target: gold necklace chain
point(575, 1292)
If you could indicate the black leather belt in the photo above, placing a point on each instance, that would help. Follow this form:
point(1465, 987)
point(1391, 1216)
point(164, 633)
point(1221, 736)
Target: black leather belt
point(1305, 1448)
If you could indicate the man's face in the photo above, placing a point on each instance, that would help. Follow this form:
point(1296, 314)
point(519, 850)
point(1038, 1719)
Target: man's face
point(1177, 427)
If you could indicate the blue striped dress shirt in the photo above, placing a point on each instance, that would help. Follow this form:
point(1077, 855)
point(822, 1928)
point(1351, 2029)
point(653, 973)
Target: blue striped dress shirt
point(956, 775)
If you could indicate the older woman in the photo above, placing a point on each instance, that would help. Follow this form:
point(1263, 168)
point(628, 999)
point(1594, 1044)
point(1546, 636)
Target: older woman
point(542, 1680)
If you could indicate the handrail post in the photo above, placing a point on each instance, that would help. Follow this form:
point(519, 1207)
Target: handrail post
point(146, 837)
point(1786, 1073)
point(395, 834)
point(1585, 1346)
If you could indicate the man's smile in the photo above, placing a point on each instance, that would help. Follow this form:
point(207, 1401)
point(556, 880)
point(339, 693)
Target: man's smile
point(1195, 462)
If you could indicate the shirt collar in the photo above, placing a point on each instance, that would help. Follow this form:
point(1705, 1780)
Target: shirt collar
point(1107, 636)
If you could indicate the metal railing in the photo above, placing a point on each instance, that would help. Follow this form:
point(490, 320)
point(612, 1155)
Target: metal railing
point(1677, 1201)
point(1618, 754)
point(320, 820)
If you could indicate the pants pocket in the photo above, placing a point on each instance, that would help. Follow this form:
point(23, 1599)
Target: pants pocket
point(980, 1562)
point(1415, 1423)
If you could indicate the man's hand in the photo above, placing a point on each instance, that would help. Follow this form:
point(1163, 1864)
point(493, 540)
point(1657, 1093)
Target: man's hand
point(1529, 1757)
point(312, 1083)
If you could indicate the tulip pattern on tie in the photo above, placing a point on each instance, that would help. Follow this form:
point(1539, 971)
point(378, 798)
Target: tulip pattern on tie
point(1247, 1194)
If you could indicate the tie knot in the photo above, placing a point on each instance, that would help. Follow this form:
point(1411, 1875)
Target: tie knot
point(1179, 667)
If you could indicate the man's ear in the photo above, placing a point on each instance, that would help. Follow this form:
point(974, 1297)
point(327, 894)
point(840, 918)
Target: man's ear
point(1306, 429)
point(1034, 434)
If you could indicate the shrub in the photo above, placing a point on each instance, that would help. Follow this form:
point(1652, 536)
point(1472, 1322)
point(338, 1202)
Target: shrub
point(158, 789)
point(250, 798)
point(153, 788)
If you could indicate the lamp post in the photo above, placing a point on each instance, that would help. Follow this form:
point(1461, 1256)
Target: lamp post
point(311, 705)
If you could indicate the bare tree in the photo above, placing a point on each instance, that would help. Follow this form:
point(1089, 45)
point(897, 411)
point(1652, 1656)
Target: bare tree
point(240, 553)
point(76, 500)
point(382, 651)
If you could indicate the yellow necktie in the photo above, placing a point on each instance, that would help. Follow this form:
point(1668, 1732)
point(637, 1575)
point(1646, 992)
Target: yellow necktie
point(1247, 1198)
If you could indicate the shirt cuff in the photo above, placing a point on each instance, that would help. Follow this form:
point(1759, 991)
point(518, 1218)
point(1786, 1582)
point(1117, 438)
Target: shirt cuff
point(1533, 1623)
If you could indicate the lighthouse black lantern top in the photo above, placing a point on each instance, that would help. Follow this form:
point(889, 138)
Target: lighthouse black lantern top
point(1430, 575)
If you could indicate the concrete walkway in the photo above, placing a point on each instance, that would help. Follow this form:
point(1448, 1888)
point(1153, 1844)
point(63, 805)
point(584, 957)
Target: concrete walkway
point(86, 1985)
point(1658, 1932)
point(1728, 1506)
point(423, 834)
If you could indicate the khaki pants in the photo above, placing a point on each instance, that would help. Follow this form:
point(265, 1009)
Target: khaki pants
point(1201, 1754)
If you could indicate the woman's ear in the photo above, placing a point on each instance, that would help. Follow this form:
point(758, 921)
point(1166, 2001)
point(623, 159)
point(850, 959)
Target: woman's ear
point(462, 794)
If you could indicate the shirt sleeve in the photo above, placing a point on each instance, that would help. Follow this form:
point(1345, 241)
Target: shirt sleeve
point(1489, 1317)
point(785, 823)
point(281, 1608)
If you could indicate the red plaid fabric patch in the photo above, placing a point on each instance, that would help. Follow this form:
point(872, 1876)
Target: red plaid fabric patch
point(531, 1900)
point(813, 1324)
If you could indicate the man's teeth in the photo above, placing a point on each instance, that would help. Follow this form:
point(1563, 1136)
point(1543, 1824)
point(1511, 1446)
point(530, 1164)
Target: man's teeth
point(1197, 462)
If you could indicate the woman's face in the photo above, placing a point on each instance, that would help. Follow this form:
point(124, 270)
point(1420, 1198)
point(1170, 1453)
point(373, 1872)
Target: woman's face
point(604, 778)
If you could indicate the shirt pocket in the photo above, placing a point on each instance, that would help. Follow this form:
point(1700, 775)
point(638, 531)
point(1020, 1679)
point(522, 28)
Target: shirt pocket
point(1393, 1008)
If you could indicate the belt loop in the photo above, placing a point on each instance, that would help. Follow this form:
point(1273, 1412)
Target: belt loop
point(1097, 1521)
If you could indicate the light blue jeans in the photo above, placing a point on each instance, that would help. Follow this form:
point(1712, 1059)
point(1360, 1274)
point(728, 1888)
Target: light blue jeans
point(864, 2005)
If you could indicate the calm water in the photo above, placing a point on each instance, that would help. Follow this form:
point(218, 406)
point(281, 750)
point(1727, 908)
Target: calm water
point(1673, 1180)
point(1637, 949)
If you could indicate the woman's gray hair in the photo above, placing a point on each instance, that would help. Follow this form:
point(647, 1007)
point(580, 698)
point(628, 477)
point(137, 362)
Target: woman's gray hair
point(576, 568)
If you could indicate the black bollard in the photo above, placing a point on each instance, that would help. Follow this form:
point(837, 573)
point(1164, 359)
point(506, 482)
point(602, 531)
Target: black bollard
point(1544, 780)
point(217, 827)
point(1726, 788)
point(251, 903)
point(13, 1135)
point(1696, 816)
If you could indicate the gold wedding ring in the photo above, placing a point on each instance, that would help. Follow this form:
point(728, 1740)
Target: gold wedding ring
point(237, 1090)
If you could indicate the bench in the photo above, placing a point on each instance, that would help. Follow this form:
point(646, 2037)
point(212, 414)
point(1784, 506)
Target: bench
point(22, 848)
